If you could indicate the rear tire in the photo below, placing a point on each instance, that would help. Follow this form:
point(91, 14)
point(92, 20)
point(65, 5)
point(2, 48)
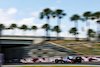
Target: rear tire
point(56, 61)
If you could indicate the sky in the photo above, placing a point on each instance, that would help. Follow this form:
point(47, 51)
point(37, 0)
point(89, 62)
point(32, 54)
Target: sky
point(27, 12)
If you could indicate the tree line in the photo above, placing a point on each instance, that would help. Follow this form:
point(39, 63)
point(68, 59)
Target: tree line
point(25, 27)
point(59, 14)
point(47, 14)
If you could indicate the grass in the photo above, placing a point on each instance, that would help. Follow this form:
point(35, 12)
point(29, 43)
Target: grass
point(86, 49)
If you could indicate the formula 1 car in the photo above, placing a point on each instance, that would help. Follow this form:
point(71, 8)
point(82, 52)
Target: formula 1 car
point(69, 60)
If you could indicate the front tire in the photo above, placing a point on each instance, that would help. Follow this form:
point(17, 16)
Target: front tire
point(78, 59)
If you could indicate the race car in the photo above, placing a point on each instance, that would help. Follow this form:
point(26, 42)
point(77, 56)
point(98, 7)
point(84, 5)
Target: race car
point(69, 59)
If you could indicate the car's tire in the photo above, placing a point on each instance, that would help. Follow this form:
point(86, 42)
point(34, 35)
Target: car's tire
point(61, 61)
point(74, 62)
point(56, 61)
point(78, 59)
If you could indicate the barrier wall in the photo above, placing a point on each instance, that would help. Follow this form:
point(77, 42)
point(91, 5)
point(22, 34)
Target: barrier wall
point(52, 59)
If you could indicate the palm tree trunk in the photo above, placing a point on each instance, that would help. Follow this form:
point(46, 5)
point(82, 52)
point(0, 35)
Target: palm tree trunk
point(35, 32)
point(12, 32)
point(98, 35)
point(76, 26)
point(88, 26)
point(0, 32)
point(48, 31)
point(58, 23)
point(57, 35)
point(24, 32)
point(46, 35)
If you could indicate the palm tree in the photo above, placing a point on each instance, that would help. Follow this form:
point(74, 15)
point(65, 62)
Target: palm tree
point(12, 26)
point(46, 14)
point(23, 27)
point(74, 31)
point(87, 16)
point(34, 28)
point(91, 33)
point(75, 18)
point(46, 27)
point(96, 15)
point(59, 14)
point(98, 28)
point(1, 28)
point(57, 30)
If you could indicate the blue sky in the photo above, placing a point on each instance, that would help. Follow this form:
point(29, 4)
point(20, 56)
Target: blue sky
point(27, 12)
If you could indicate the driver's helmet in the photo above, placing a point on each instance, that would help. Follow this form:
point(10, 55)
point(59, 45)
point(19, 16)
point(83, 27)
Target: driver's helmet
point(70, 57)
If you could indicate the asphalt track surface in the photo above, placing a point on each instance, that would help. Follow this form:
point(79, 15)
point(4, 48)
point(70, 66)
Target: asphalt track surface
point(83, 63)
point(51, 65)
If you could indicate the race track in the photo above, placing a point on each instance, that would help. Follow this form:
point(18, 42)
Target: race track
point(53, 65)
